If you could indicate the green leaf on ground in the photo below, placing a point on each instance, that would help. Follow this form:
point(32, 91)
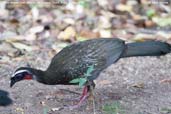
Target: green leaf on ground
point(82, 82)
point(83, 3)
point(77, 80)
point(166, 110)
point(150, 13)
point(45, 110)
point(113, 108)
point(162, 21)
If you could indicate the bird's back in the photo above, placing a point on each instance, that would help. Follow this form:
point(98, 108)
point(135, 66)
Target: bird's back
point(74, 60)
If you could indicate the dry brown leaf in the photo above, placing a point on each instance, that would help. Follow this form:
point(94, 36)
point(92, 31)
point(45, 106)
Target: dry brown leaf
point(138, 85)
point(142, 37)
point(67, 34)
point(105, 33)
point(123, 7)
point(89, 34)
point(104, 82)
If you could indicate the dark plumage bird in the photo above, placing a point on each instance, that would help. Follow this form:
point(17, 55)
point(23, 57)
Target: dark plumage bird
point(73, 61)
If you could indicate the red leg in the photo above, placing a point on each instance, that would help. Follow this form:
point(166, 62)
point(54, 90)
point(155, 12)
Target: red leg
point(82, 98)
point(85, 91)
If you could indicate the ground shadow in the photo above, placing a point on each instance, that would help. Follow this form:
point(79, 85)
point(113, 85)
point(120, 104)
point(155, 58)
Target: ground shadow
point(5, 100)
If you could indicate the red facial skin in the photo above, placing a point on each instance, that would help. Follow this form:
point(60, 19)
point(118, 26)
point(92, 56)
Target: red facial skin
point(28, 77)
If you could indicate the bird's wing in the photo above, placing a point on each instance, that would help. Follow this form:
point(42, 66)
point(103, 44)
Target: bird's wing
point(74, 60)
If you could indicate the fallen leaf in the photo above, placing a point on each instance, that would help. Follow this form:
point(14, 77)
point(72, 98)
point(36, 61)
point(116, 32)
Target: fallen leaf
point(36, 29)
point(166, 110)
point(6, 47)
point(22, 46)
point(69, 21)
point(5, 59)
point(104, 82)
point(150, 13)
point(143, 37)
point(79, 9)
point(105, 33)
point(102, 3)
point(30, 37)
point(59, 46)
point(162, 21)
point(3, 5)
point(35, 13)
point(81, 38)
point(84, 34)
point(104, 22)
point(67, 34)
point(8, 50)
point(15, 38)
point(56, 109)
point(7, 35)
point(21, 110)
point(149, 23)
point(166, 35)
point(45, 110)
point(123, 7)
point(4, 14)
point(138, 85)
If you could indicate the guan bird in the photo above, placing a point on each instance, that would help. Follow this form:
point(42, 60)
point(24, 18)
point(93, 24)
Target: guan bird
point(73, 61)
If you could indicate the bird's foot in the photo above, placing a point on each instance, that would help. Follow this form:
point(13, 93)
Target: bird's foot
point(76, 99)
point(78, 104)
point(165, 81)
point(82, 99)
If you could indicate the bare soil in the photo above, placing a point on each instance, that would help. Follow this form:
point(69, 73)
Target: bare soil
point(133, 82)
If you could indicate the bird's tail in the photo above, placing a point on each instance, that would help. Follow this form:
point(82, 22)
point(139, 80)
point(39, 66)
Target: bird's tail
point(147, 48)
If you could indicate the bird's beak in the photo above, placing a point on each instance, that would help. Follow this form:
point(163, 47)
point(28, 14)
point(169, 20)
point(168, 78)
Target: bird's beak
point(12, 82)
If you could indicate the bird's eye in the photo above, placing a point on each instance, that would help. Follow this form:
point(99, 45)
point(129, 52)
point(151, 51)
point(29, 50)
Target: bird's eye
point(19, 76)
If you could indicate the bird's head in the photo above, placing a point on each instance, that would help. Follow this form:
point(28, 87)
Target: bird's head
point(22, 73)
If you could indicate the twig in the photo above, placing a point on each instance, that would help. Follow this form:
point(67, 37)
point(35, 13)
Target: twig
point(94, 106)
point(70, 91)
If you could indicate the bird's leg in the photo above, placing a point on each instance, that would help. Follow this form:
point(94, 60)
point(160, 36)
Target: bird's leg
point(91, 95)
point(85, 94)
point(83, 97)
point(91, 89)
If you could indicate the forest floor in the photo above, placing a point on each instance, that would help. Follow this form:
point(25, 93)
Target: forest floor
point(33, 32)
point(130, 86)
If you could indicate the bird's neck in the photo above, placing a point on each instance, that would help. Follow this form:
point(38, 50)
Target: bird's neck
point(48, 77)
point(38, 75)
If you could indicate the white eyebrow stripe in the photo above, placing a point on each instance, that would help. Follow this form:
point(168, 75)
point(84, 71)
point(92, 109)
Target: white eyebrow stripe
point(20, 71)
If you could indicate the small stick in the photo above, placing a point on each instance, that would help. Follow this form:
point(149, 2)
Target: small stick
point(70, 91)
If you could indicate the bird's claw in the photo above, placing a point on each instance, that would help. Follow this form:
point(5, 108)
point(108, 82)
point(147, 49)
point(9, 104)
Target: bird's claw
point(165, 81)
